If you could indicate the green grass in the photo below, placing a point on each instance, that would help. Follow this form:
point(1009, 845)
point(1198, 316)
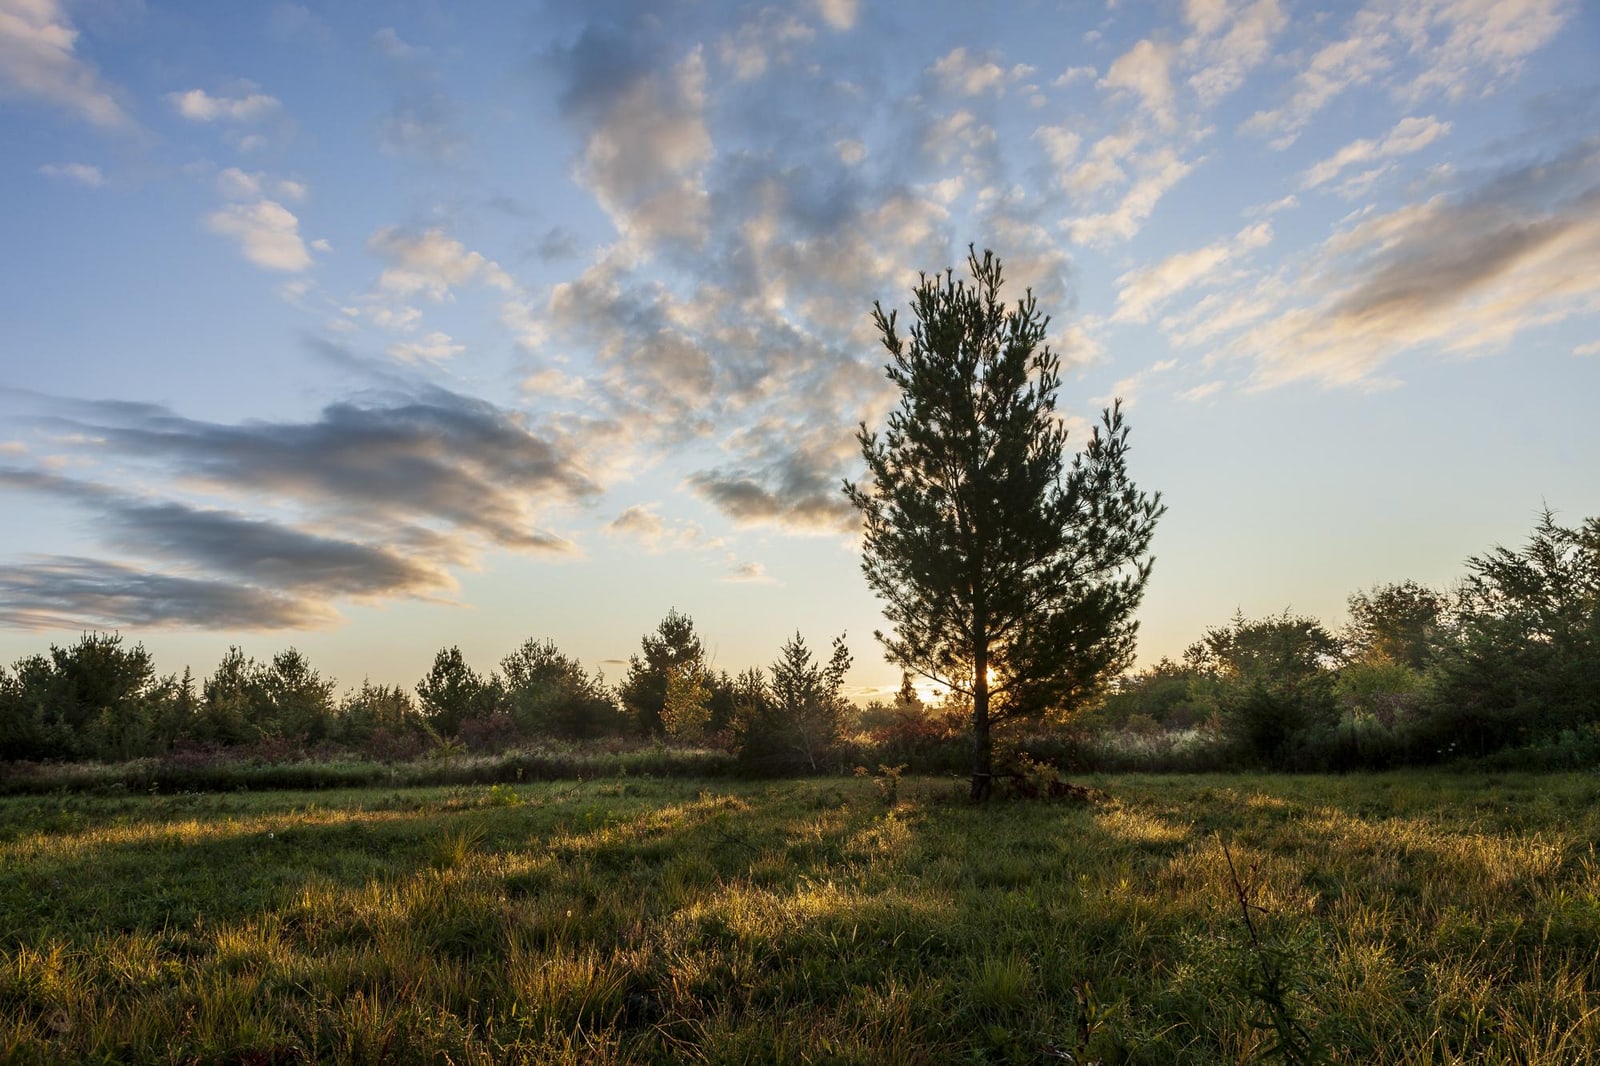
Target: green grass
point(1402, 918)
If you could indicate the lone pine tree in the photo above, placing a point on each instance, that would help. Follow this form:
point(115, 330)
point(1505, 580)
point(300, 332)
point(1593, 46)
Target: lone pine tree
point(1008, 576)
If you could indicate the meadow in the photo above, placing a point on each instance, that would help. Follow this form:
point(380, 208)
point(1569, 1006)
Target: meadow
point(1415, 917)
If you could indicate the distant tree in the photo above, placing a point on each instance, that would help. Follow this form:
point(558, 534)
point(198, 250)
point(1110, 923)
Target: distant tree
point(1524, 661)
point(297, 704)
point(1008, 577)
point(1402, 623)
point(232, 701)
point(452, 693)
point(673, 646)
point(1161, 695)
point(89, 699)
point(550, 694)
point(1271, 681)
point(799, 715)
point(380, 717)
point(686, 711)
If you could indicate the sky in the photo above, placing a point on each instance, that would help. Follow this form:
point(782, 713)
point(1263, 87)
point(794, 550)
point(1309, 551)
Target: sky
point(373, 328)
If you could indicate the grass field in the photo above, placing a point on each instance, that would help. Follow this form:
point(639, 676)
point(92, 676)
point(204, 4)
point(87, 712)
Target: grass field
point(1405, 918)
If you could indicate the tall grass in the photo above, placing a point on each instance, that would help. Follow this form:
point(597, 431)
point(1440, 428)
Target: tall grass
point(1411, 918)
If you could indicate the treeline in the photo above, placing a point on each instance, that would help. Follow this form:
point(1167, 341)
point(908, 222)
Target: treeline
point(1503, 668)
point(100, 700)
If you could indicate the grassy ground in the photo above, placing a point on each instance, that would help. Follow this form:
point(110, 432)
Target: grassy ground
point(1405, 918)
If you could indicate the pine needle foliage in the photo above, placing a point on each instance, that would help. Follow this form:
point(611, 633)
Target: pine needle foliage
point(1008, 575)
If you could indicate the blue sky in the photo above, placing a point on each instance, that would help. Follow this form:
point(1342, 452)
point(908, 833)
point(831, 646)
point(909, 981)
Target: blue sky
point(373, 328)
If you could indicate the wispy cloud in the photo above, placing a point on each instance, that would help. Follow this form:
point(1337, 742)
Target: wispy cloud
point(1409, 135)
point(1463, 272)
point(84, 174)
point(72, 592)
point(39, 59)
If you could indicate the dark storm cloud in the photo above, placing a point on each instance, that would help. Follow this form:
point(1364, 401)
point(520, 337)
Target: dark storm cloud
point(68, 592)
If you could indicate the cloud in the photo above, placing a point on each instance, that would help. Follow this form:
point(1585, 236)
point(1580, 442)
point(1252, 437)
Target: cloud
point(1449, 48)
point(252, 550)
point(435, 347)
point(1465, 273)
point(268, 524)
point(967, 74)
point(1159, 172)
point(197, 105)
point(1060, 144)
point(1146, 70)
point(643, 525)
point(431, 262)
point(38, 58)
point(1221, 62)
point(268, 234)
point(791, 479)
point(840, 14)
point(422, 123)
point(236, 184)
point(1409, 135)
point(78, 173)
point(1144, 290)
point(770, 36)
point(406, 467)
point(646, 143)
point(749, 574)
point(55, 592)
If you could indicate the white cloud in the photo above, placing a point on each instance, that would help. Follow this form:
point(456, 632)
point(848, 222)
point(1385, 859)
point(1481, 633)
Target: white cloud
point(431, 262)
point(435, 347)
point(1146, 69)
point(1142, 291)
point(197, 105)
point(1222, 62)
point(770, 36)
point(78, 173)
point(851, 152)
point(268, 234)
point(1409, 135)
point(642, 524)
point(840, 14)
point(1060, 144)
point(645, 159)
point(1159, 173)
point(964, 74)
point(1592, 348)
point(38, 58)
point(1449, 48)
point(750, 574)
point(959, 134)
point(1463, 273)
point(236, 184)
point(1102, 166)
point(1073, 74)
point(1472, 46)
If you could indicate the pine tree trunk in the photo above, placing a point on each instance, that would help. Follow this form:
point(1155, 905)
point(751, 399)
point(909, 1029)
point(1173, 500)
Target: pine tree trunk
point(982, 741)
